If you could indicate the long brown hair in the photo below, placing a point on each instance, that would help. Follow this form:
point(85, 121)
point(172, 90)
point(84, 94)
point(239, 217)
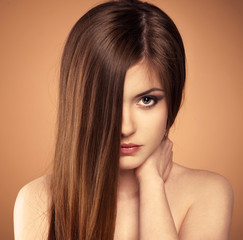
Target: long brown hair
point(101, 46)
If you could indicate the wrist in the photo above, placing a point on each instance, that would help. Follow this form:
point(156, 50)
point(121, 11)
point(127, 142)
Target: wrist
point(151, 181)
point(148, 174)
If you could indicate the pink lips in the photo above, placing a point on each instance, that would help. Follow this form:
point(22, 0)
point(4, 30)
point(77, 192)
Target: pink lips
point(129, 148)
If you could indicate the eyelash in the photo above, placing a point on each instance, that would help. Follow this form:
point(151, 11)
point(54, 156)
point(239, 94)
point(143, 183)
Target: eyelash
point(150, 98)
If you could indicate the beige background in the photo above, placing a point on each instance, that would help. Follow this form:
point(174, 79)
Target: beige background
point(208, 133)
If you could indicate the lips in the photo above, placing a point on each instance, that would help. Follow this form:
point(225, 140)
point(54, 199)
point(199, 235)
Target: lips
point(129, 148)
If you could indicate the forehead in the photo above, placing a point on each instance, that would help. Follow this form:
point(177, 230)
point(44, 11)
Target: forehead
point(141, 77)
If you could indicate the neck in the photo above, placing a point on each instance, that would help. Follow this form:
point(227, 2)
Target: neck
point(128, 187)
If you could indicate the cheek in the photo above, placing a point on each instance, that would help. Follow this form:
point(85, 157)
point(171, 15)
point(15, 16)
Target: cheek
point(155, 126)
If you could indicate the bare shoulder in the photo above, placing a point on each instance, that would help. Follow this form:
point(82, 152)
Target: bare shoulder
point(202, 182)
point(32, 209)
point(38, 188)
point(211, 203)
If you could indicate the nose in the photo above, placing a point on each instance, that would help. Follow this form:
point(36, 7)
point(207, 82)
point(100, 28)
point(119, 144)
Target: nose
point(128, 123)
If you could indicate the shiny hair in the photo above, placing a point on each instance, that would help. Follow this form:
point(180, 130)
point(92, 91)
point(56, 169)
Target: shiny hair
point(101, 47)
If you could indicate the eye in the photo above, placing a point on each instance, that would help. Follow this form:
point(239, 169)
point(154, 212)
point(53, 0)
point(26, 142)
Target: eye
point(148, 101)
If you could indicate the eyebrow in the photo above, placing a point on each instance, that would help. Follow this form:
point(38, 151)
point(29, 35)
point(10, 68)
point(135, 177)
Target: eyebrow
point(149, 91)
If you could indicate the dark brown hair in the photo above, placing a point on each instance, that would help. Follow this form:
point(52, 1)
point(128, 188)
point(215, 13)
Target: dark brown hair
point(100, 48)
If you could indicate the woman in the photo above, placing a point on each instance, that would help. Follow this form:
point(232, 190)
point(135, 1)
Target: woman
point(121, 84)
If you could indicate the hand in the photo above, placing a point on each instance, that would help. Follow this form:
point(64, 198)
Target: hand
point(159, 164)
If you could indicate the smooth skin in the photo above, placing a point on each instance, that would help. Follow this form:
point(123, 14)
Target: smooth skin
point(157, 198)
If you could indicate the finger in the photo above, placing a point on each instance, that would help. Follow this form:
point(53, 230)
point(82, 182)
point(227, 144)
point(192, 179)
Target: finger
point(168, 143)
point(168, 167)
point(168, 171)
point(168, 146)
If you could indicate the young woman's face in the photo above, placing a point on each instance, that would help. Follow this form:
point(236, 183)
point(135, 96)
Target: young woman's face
point(144, 116)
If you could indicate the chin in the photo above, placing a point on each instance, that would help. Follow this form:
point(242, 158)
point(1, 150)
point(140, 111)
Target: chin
point(129, 163)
